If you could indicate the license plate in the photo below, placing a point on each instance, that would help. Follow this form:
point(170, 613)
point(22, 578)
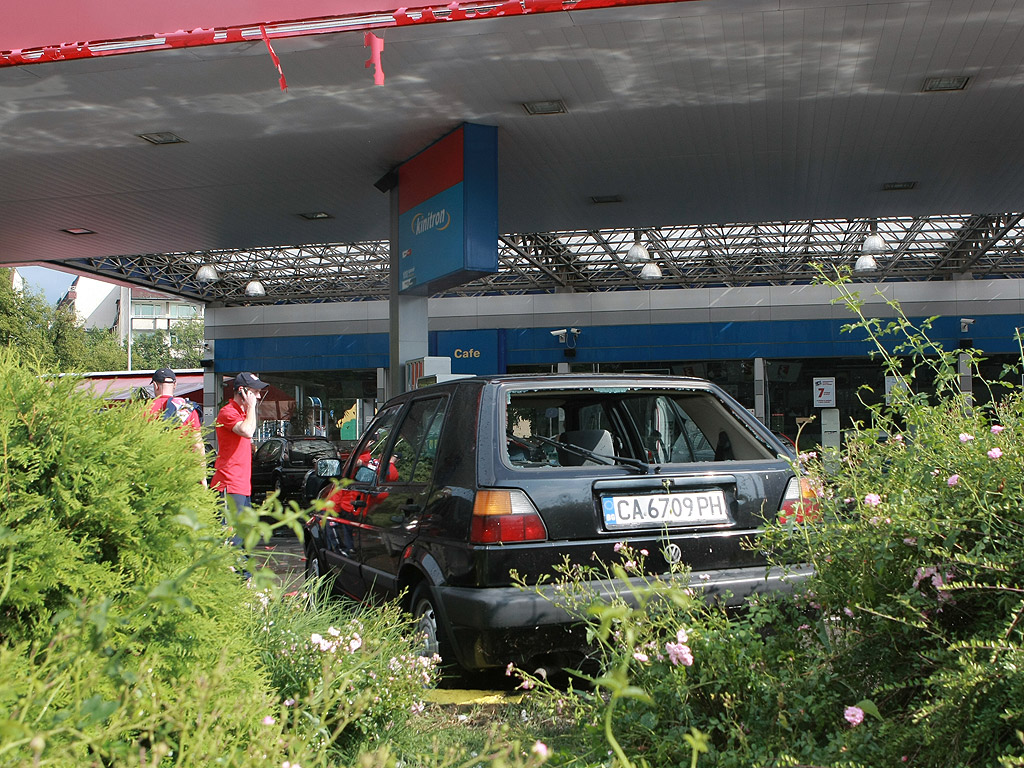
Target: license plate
point(656, 510)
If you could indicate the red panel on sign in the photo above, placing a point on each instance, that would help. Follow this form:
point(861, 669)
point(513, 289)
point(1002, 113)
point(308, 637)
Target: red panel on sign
point(433, 170)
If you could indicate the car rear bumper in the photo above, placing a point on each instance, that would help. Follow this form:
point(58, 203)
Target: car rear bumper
point(493, 626)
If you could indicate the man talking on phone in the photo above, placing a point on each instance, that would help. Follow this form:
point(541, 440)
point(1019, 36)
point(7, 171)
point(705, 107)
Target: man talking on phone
point(236, 423)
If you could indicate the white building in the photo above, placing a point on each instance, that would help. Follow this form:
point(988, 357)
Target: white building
point(17, 282)
point(99, 304)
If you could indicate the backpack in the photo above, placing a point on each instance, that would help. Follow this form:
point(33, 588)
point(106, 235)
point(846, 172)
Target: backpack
point(181, 408)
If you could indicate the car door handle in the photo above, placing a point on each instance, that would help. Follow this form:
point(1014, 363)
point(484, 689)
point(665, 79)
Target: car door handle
point(411, 509)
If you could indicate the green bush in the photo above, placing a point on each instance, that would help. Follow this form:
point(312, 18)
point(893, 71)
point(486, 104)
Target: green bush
point(128, 636)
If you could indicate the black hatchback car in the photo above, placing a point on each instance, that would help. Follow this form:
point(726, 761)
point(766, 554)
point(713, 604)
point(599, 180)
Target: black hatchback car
point(281, 463)
point(454, 486)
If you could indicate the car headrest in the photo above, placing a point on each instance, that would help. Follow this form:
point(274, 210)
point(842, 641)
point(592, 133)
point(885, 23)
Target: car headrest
point(596, 440)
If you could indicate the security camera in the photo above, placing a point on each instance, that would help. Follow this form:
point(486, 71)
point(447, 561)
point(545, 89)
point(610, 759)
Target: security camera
point(560, 333)
point(574, 331)
point(965, 324)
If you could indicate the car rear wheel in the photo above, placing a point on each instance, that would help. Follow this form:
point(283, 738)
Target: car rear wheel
point(429, 624)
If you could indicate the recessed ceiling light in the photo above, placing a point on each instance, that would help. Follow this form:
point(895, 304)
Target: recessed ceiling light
point(314, 215)
point(78, 231)
point(552, 107)
point(603, 199)
point(162, 138)
point(950, 83)
point(892, 186)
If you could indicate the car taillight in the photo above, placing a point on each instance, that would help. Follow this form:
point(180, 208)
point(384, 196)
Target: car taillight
point(800, 502)
point(501, 517)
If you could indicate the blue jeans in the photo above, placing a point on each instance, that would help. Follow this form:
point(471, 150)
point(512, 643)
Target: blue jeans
point(238, 502)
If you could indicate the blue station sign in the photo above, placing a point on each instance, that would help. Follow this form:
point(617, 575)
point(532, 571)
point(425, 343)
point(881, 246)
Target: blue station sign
point(448, 211)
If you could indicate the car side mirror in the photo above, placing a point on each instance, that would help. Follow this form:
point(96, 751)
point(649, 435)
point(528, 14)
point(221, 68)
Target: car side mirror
point(328, 468)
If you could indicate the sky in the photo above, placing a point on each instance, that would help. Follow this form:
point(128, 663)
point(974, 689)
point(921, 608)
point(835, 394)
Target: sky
point(52, 283)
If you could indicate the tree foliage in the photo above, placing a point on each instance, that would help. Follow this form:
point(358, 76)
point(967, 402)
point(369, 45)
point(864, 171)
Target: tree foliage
point(58, 342)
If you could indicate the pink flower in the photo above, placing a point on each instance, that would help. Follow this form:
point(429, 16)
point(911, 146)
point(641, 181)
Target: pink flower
point(872, 499)
point(355, 643)
point(848, 611)
point(268, 720)
point(952, 480)
point(541, 750)
point(678, 653)
point(965, 438)
point(641, 656)
point(682, 636)
point(417, 707)
point(996, 429)
point(508, 670)
point(995, 453)
point(618, 546)
point(854, 715)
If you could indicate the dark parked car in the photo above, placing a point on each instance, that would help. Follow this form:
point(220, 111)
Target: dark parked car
point(457, 484)
point(281, 463)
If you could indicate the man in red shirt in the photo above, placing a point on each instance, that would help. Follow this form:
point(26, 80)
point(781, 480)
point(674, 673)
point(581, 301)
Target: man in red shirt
point(163, 389)
point(235, 425)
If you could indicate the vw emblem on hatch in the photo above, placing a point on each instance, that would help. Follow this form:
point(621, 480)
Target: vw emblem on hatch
point(673, 554)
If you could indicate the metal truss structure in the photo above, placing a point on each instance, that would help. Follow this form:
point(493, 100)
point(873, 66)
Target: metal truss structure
point(770, 253)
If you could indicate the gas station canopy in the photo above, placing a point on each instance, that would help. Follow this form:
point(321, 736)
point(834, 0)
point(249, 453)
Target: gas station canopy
point(738, 140)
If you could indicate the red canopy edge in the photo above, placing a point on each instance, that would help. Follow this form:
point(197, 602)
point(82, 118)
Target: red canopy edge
point(122, 386)
point(398, 17)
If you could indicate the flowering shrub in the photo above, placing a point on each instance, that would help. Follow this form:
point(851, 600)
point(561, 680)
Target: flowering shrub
point(354, 673)
point(917, 601)
point(906, 647)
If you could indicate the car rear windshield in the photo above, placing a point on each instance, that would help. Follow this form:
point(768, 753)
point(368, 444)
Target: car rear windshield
point(648, 426)
point(312, 448)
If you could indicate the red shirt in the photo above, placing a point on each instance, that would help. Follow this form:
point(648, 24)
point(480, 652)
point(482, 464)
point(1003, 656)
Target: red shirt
point(234, 453)
point(158, 406)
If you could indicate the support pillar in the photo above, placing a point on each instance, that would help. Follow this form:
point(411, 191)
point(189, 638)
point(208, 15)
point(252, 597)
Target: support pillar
point(760, 391)
point(407, 330)
point(963, 369)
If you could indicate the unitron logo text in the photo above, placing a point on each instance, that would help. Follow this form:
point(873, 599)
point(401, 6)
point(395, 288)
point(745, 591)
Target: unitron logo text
point(438, 220)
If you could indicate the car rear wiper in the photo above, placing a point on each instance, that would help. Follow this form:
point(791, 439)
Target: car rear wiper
point(586, 453)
